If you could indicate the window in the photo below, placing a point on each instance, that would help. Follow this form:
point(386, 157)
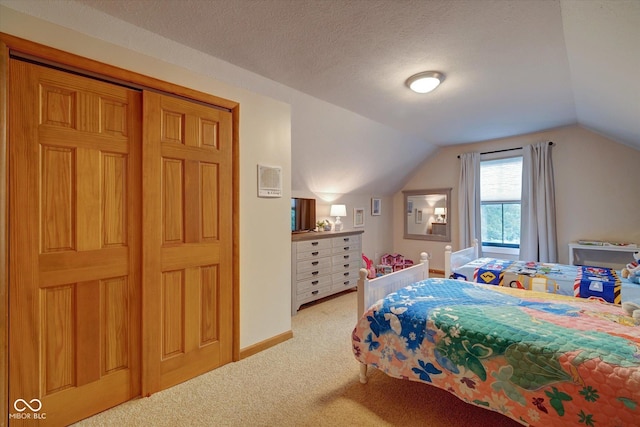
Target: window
point(500, 193)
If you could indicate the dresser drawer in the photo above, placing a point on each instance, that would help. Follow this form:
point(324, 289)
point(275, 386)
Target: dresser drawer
point(346, 258)
point(314, 274)
point(345, 275)
point(314, 253)
point(345, 248)
point(345, 267)
point(313, 283)
point(313, 264)
point(344, 281)
point(353, 241)
point(311, 245)
point(313, 294)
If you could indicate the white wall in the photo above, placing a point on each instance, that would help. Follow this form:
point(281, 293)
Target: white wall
point(597, 195)
point(265, 137)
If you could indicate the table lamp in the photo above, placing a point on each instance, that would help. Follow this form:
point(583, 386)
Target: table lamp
point(338, 211)
point(440, 212)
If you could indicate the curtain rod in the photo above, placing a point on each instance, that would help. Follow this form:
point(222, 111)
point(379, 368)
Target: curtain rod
point(507, 149)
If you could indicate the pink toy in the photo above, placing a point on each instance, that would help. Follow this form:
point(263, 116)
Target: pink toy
point(395, 261)
point(369, 266)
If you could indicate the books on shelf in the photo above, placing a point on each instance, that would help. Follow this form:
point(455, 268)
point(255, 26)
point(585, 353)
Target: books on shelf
point(602, 243)
point(591, 242)
point(621, 244)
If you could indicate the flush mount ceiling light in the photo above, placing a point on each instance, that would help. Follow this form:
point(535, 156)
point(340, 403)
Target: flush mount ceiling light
point(425, 82)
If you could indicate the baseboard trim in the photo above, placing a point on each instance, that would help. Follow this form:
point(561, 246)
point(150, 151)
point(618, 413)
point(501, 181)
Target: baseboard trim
point(435, 271)
point(263, 345)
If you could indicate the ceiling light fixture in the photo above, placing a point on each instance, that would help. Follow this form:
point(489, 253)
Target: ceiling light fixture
point(425, 82)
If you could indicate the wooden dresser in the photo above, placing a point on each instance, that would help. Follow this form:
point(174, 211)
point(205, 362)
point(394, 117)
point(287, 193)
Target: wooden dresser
point(323, 263)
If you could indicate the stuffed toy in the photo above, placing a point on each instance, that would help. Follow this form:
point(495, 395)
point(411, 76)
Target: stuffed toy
point(633, 268)
point(633, 310)
point(369, 266)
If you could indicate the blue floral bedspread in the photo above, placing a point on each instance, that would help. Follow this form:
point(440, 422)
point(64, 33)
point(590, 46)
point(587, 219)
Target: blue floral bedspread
point(541, 359)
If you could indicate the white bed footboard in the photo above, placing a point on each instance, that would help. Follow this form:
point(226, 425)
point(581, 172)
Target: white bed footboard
point(372, 290)
point(453, 260)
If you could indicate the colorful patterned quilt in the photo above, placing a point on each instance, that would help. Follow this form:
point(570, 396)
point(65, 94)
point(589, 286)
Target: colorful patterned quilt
point(540, 359)
point(579, 281)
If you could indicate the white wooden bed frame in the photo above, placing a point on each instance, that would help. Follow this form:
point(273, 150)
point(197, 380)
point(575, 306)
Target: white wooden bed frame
point(453, 260)
point(372, 290)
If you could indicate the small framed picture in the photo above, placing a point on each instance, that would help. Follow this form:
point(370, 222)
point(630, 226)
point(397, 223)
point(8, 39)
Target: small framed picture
point(358, 217)
point(376, 206)
point(409, 207)
point(418, 216)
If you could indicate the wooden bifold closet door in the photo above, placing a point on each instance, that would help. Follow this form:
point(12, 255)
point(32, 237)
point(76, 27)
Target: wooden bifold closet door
point(74, 243)
point(120, 242)
point(187, 210)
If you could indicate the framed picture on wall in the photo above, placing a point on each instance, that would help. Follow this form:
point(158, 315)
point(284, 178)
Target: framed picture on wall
point(376, 206)
point(358, 217)
point(418, 216)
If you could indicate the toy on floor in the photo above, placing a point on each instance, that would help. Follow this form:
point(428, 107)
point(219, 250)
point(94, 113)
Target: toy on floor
point(395, 261)
point(632, 270)
point(369, 266)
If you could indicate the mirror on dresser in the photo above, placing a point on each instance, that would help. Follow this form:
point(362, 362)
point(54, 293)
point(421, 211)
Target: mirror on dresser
point(426, 214)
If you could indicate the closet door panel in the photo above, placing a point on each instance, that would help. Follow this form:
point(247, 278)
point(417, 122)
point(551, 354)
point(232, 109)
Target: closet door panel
point(74, 243)
point(187, 206)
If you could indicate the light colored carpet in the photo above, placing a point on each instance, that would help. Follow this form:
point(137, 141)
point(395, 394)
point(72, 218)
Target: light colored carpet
point(309, 380)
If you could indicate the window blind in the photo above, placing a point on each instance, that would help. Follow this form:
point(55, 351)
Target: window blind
point(501, 179)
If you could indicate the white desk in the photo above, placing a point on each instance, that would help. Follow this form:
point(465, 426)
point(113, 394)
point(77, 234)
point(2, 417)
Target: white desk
point(613, 255)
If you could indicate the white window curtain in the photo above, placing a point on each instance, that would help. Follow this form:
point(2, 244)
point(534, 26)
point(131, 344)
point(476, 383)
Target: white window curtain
point(469, 200)
point(538, 239)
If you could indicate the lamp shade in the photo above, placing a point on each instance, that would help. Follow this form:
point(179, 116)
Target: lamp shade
point(439, 211)
point(338, 210)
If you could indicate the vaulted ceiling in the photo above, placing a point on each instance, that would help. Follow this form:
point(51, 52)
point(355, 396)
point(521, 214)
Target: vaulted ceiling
point(512, 67)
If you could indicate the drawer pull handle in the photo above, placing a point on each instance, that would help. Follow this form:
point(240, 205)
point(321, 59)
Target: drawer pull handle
point(315, 273)
point(347, 282)
point(346, 256)
point(345, 265)
point(346, 239)
point(314, 292)
point(346, 274)
point(346, 248)
point(315, 263)
point(314, 253)
point(314, 243)
point(315, 282)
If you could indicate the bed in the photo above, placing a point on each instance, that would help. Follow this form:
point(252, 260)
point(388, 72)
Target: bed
point(579, 281)
point(541, 359)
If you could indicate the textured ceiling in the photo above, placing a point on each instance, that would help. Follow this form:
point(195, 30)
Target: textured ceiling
point(512, 67)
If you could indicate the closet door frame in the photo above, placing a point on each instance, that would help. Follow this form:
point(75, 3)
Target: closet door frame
point(14, 45)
